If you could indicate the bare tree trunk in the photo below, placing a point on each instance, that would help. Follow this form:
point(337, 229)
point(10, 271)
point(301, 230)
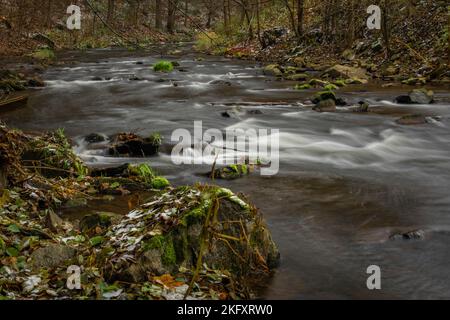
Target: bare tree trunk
point(158, 15)
point(186, 10)
point(171, 11)
point(111, 11)
point(300, 17)
point(386, 27)
point(258, 22)
point(291, 16)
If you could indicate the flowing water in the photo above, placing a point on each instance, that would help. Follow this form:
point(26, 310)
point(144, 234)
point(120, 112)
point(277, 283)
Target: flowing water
point(347, 181)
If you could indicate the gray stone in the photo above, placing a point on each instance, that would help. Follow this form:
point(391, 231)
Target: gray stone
point(53, 256)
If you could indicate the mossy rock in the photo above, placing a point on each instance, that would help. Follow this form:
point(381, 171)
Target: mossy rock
point(273, 70)
point(331, 87)
point(318, 83)
point(415, 81)
point(160, 183)
point(355, 81)
point(232, 172)
point(297, 77)
point(322, 96)
point(180, 226)
point(10, 81)
point(340, 83)
point(304, 86)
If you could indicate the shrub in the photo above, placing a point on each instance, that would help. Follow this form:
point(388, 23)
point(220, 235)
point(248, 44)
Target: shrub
point(163, 66)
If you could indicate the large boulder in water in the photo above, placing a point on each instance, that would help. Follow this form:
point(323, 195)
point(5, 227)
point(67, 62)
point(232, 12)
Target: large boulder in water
point(189, 228)
point(421, 96)
point(417, 96)
point(132, 145)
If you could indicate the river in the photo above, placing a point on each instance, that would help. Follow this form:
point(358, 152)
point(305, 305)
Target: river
point(347, 181)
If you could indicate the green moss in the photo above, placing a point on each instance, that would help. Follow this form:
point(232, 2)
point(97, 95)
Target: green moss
point(354, 81)
point(142, 171)
point(318, 82)
point(156, 139)
point(330, 87)
point(340, 83)
point(163, 66)
point(414, 81)
point(165, 246)
point(2, 247)
point(96, 241)
point(44, 54)
point(160, 183)
point(323, 95)
point(232, 172)
point(304, 86)
point(198, 214)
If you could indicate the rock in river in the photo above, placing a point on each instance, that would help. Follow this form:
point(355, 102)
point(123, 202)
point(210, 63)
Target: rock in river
point(208, 226)
point(417, 96)
point(413, 119)
point(410, 235)
point(273, 70)
point(328, 105)
point(128, 144)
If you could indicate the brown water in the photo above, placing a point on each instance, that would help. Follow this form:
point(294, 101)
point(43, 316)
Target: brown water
point(347, 181)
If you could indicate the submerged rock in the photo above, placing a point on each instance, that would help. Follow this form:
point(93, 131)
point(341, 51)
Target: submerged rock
point(414, 119)
point(410, 235)
point(95, 138)
point(101, 219)
point(328, 105)
point(208, 226)
point(363, 107)
point(220, 83)
point(297, 77)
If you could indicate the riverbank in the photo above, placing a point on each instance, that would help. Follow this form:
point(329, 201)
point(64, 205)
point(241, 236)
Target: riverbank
point(156, 251)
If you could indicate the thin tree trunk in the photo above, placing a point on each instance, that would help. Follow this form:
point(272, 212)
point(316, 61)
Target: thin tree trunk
point(111, 11)
point(158, 15)
point(171, 10)
point(300, 17)
point(386, 27)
